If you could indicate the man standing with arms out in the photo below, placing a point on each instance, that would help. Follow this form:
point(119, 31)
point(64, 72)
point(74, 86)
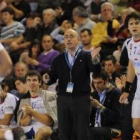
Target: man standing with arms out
point(132, 22)
point(5, 63)
point(72, 69)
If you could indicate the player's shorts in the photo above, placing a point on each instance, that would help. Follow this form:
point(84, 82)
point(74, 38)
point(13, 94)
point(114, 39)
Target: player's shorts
point(136, 108)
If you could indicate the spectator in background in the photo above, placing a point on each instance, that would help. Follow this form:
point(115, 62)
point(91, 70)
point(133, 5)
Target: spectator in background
point(44, 60)
point(81, 18)
point(104, 31)
point(61, 15)
point(110, 67)
point(20, 69)
point(12, 30)
point(23, 42)
point(106, 109)
point(58, 33)
point(8, 104)
point(49, 23)
point(119, 5)
point(9, 81)
point(20, 7)
point(95, 8)
point(34, 50)
point(86, 37)
point(2, 6)
point(69, 5)
point(122, 32)
point(21, 86)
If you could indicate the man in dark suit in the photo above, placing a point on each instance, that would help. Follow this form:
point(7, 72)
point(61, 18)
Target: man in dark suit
point(106, 109)
point(72, 69)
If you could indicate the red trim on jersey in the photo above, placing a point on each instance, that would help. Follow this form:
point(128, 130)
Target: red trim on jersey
point(34, 96)
point(1, 102)
point(137, 40)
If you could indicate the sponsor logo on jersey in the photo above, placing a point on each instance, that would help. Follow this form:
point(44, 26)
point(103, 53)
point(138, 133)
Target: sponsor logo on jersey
point(136, 63)
point(131, 47)
point(138, 74)
point(138, 53)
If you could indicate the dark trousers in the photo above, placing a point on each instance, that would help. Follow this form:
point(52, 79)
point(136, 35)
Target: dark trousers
point(100, 133)
point(127, 129)
point(73, 117)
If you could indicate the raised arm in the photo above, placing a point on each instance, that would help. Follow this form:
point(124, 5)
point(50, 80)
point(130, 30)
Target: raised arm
point(5, 62)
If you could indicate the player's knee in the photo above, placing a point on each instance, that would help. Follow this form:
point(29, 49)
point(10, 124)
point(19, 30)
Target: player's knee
point(43, 133)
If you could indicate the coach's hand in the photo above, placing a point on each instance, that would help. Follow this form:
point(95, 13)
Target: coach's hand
point(95, 52)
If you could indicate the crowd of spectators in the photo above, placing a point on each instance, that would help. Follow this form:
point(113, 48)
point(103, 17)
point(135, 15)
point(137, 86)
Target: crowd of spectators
point(32, 32)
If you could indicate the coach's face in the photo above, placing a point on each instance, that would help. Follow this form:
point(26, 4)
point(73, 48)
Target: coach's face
point(71, 39)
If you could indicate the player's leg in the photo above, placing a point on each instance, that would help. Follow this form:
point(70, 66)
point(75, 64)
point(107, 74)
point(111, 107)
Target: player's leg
point(136, 115)
point(43, 133)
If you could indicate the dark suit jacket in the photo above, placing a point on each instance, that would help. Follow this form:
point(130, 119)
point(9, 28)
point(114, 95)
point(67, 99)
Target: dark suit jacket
point(80, 74)
point(111, 116)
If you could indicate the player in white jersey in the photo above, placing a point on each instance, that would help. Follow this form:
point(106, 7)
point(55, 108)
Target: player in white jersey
point(132, 22)
point(5, 63)
point(8, 104)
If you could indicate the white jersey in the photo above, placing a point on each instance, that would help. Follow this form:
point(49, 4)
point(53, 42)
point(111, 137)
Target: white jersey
point(38, 105)
point(133, 48)
point(8, 107)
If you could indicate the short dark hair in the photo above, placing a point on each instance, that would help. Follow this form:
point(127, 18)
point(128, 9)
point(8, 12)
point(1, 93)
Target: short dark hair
point(8, 81)
point(102, 74)
point(133, 15)
point(112, 58)
point(33, 15)
point(88, 30)
point(9, 10)
point(70, 22)
point(49, 36)
point(22, 79)
point(33, 73)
